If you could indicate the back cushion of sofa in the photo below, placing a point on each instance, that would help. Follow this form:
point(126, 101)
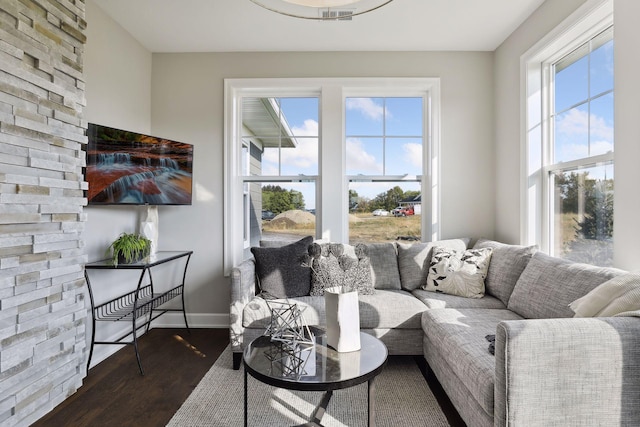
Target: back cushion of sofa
point(548, 284)
point(414, 259)
point(384, 265)
point(507, 264)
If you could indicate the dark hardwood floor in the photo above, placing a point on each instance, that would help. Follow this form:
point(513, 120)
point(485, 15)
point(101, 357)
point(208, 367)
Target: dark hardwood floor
point(115, 394)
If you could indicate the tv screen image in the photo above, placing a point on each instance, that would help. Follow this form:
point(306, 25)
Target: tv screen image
point(131, 168)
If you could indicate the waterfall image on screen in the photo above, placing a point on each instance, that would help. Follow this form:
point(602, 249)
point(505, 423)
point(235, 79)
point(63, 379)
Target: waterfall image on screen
point(131, 168)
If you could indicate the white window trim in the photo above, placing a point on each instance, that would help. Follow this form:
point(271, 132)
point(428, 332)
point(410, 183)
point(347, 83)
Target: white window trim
point(588, 20)
point(331, 188)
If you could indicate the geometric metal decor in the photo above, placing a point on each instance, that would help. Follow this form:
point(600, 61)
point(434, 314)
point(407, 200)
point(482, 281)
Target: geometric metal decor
point(288, 326)
point(292, 362)
point(296, 342)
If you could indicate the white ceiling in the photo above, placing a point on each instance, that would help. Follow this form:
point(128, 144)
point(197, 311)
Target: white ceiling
point(242, 26)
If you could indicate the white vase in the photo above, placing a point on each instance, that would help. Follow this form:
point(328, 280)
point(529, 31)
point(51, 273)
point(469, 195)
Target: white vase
point(149, 227)
point(343, 319)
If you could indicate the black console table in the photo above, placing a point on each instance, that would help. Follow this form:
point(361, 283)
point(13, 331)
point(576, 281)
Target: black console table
point(136, 304)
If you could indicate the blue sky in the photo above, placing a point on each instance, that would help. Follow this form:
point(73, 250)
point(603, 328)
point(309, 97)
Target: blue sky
point(585, 128)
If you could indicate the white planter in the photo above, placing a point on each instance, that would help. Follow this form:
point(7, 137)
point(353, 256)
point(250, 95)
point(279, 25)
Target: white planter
point(343, 319)
point(149, 227)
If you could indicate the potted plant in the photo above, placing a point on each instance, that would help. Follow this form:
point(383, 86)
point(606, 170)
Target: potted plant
point(129, 248)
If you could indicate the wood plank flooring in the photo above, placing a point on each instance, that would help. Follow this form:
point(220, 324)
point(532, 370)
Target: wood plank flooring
point(115, 394)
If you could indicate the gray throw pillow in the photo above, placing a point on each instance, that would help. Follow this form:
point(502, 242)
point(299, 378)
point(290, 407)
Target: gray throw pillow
point(507, 264)
point(384, 265)
point(548, 285)
point(281, 271)
point(414, 260)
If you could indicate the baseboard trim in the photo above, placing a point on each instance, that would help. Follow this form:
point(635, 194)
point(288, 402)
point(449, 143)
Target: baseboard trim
point(196, 320)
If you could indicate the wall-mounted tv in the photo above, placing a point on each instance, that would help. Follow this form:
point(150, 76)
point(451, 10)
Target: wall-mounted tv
point(135, 169)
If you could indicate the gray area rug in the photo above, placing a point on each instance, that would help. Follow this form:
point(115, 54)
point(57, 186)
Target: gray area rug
point(402, 398)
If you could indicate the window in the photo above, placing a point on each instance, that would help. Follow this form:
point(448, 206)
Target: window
point(303, 158)
point(570, 143)
point(280, 140)
point(384, 147)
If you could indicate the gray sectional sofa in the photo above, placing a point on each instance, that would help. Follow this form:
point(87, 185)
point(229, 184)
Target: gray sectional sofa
point(549, 368)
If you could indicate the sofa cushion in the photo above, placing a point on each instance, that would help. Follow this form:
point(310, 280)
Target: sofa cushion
point(384, 309)
point(458, 336)
point(281, 270)
point(440, 300)
point(507, 264)
point(548, 285)
point(257, 313)
point(390, 309)
point(458, 273)
point(414, 260)
point(384, 265)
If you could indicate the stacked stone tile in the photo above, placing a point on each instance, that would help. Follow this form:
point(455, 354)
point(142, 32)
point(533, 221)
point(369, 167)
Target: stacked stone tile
point(42, 130)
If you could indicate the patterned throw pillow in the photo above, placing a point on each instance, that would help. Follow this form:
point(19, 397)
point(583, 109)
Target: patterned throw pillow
point(358, 274)
point(331, 267)
point(458, 273)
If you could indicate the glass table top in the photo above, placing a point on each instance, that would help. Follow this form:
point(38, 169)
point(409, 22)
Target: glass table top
point(314, 367)
point(159, 257)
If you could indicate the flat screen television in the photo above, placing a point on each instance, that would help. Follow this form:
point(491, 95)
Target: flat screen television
point(129, 168)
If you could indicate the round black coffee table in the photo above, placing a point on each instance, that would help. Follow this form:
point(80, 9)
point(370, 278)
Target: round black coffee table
point(315, 368)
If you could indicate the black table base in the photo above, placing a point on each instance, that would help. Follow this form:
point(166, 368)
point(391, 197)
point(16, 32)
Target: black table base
point(333, 371)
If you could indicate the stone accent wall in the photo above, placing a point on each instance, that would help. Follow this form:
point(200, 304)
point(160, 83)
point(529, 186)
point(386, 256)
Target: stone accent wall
point(42, 306)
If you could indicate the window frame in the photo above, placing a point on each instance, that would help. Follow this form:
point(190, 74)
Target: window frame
point(536, 88)
point(331, 188)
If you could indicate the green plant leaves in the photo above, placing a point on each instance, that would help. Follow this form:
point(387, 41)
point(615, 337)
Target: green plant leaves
point(129, 247)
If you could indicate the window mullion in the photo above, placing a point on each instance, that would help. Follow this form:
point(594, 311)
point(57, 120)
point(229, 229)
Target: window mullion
point(547, 146)
point(581, 163)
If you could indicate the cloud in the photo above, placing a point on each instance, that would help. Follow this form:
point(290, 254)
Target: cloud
point(567, 152)
point(601, 147)
point(576, 123)
point(413, 154)
point(367, 107)
point(302, 159)
point(269, 164)
point(308, 128)
point(305, 155)
point(572, 132)
point(360, 160)
point(600, 128)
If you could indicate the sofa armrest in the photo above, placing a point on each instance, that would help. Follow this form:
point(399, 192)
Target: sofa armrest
point(568, 372)
point(243, 289)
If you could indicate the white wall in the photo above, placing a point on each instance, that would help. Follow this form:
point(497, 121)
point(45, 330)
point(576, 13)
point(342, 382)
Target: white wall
point(118, 91)
point(507, 111)
point(627, 133)
point(187, 105)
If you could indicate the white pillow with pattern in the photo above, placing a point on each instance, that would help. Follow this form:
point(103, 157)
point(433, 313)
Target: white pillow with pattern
point(458, 272)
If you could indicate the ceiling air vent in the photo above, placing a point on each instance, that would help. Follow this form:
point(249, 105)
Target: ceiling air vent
point(337, 15)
